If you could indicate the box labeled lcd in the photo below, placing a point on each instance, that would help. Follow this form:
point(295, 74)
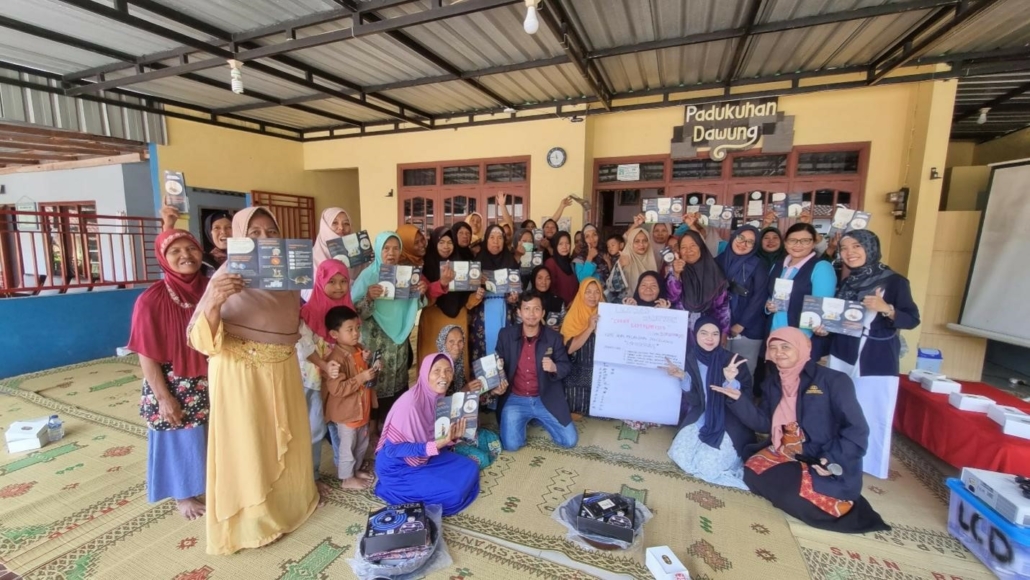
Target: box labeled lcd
point(607, 514)
point(1000, 545)
point(664, 565)
point(27, 435)
point(396, 527)
point(974, 403)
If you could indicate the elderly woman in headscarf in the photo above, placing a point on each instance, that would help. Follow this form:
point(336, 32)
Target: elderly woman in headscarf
point(487, 445)
point(413, 461)
point(217, 231)
point(889, 309)
point(811, 467)
point(259, 483)
point(578, 333)
point(710, 440)
point(748, 280)
point(593, 261)
point(636, 258)
point(650, 292)
point(386, 324)
point(331, 289)
point(564, 282)
point(174, 402)
point(450, 307)
point(486, 320)
point(697, 285)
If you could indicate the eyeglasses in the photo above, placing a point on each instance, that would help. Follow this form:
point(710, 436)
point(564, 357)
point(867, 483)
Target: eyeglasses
point(800, 242)
point(746, 241)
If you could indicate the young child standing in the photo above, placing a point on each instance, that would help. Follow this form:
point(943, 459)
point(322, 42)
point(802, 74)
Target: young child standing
point(349, 402)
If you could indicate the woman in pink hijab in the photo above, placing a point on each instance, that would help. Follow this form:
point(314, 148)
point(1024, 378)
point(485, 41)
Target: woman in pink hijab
point(812, 469)
point(413, 462)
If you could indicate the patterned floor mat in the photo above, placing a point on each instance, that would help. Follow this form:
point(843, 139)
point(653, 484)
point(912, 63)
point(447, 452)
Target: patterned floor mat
point(78, 509)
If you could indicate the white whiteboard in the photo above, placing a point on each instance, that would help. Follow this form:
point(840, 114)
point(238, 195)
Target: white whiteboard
point(632, 342)
point(996, 299)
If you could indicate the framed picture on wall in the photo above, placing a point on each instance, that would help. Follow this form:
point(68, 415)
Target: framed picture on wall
point(629, 197)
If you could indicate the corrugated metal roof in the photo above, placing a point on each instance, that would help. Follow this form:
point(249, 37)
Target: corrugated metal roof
point(442, 98)
point(553, 83)
point(622, 22)
point(241, 16)
point(42, 54)
point(346, 109)
point(180, 89)
point(371, 60)
point(289, 117)
point(975, 93)
point(1003, 25)
point(669, 67)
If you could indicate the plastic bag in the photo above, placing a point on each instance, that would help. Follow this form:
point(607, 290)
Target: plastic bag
point(437, 559)
point(566, 514)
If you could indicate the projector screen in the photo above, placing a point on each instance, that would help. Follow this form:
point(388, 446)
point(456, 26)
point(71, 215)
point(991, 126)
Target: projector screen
point(998, 293)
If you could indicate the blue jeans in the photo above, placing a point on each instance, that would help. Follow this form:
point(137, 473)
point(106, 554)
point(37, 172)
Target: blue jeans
point(519, 411)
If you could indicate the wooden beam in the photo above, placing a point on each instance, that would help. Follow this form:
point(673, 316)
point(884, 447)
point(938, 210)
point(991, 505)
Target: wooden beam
point(36, 156)
point(94, 162)
point(24, 145)
point(8, 129)
point(8, 161)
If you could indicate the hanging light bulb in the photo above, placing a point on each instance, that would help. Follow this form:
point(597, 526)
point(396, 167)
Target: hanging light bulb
point(236, 76)
point(532, 24)
point(983, 116)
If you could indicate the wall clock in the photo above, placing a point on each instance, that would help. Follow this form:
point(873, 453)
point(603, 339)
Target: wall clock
point(556, 157)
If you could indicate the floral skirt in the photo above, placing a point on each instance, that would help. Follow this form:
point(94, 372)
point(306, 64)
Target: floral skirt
point(190, 392)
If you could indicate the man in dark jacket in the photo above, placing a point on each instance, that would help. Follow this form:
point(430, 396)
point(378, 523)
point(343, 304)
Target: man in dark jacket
point(535, 361)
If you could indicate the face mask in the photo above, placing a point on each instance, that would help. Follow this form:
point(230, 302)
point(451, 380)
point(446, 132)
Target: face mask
point(527, 246)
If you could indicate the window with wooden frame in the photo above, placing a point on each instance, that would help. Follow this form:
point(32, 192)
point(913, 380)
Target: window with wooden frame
point(295, 213)
point(446, 192)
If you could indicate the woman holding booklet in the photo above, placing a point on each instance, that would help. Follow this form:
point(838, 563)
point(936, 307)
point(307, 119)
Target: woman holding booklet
point(888, 309)
point(801, 273)
point(578, 333)
point(451, 307)
point(491, 316)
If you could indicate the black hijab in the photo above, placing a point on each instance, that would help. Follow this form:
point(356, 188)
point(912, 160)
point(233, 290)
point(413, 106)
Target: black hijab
point(450, 303)
point(216, 257)
point(714, 403)
point(662, 294)
point(864, 280)
point(462, 254)
point(703, 280)
point(564, 262)
point(501, 261)
point(551, 301)
point(770, 258)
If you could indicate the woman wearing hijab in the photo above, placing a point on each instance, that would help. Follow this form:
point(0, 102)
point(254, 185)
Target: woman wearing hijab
point(636, 258)
point(334, 223)
point(386, 324)
point(812, 469)
point(478, 224)
point(217, 231)
point(748, 280)
point(259, 483)
point(463, 241)
point(697, 285)
point(710, 440)
point(889, 309)
point(578, 334)
point(809, 276)
point(331, 289)
point(413, 462)
point(771, 247)
point(554, 307)
point(491, 316)
point(650, 292)
point(487, 445)
point(174, 402)
point(564, 282)
point(594, 260)
point(413, 245)
point(449, 308)
point(550, 229)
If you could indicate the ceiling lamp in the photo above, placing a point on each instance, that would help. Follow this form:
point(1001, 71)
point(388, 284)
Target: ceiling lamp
point(236, 76)
point(532, 24)
point(983, 116)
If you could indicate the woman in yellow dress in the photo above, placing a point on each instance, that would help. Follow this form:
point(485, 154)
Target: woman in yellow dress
point(259, 483)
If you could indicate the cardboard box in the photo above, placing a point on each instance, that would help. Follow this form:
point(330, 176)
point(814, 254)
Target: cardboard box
point(395, 527)
point(918, 375)
point(999, 413)
point(974, 403)
point(664, 565)
point(941, 386)
point(929, 359)
point(27, 435)
point(1017, 427)
point(607, 514)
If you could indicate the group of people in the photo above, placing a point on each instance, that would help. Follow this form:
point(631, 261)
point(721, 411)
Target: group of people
point(243, 386)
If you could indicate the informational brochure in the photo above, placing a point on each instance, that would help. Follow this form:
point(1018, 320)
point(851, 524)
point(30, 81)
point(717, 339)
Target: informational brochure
point(778, 204)
point(468, 276)
point(796, 204)
point(450, 410)
point(503, 281)
point(353, 249)
point(668, 256)
point(720, 216)
point(399, 282)
point(490, 372)
point(663, 210)
point(530, 260)
point(175, 192)
point(538, 236)
point(272, 263)
point(782, 288)
point(846, 220)
point(836, 315)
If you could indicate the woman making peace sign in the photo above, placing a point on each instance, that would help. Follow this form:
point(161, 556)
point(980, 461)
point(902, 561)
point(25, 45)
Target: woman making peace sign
point(710, 439)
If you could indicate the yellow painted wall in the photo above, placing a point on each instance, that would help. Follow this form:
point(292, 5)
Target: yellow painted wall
point(377, 158)
point(963, 186)
point(217, 158)
point(1013, 146)
point(960, 153)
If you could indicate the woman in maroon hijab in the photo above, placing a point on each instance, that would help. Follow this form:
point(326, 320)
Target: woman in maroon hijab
point(175, 397)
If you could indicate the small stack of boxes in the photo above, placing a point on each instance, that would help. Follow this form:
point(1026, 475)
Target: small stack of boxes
point(990, 514)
